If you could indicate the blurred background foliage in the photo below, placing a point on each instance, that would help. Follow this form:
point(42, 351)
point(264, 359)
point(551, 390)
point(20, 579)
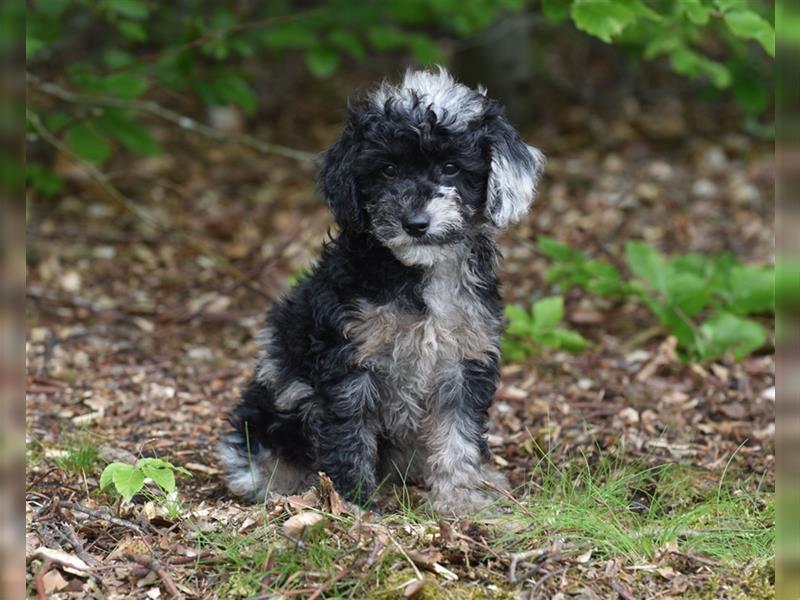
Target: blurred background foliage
point(106, 56)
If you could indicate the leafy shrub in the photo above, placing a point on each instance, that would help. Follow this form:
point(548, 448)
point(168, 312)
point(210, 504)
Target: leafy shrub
point(528, 331)
point(702, 300)
point(207, 51)
point(684, 31)
point(130, 480)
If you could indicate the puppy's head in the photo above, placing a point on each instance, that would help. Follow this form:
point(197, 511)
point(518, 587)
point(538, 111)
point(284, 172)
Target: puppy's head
point(422, 164)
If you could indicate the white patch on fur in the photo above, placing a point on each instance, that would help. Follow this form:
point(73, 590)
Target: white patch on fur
point(451, 101)
point(254, 477)
point(267, 368)
point(512, 187)
point(292, 395)
point(444, 213)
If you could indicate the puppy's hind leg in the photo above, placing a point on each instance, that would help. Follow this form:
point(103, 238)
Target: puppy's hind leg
point(249, 455)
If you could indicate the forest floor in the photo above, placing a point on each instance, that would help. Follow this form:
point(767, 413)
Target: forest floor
point(635, 475)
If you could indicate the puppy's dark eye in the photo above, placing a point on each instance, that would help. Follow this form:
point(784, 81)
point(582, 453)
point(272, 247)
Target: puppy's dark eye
point(450, 168)
point(389, 170)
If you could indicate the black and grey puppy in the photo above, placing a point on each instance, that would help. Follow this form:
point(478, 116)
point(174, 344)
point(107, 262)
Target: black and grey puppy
point(383, 361)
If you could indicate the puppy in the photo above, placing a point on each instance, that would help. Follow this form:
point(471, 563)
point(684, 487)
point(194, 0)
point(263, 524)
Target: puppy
point(381, 364)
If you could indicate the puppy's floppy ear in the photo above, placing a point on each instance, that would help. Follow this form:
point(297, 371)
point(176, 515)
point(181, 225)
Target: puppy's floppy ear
point(337, 182)
point(514, 173)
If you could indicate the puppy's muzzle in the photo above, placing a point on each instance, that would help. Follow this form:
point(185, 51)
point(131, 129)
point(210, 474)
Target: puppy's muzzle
point(416, 223)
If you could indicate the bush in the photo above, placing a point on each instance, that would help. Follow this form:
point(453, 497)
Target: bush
point(124, 49)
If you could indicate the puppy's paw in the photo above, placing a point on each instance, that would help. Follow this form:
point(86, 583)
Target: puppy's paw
point(459, 501)
point(495, 478)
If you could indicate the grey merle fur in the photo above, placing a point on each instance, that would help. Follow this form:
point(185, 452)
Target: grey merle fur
point(382, 362)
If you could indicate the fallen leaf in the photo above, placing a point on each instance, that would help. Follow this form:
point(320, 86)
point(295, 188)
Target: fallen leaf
point(72, 564)
point(53, 581)
point(331, 499)
point(298, 523)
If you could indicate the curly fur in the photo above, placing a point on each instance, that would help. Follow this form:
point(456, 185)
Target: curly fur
point(384, 360)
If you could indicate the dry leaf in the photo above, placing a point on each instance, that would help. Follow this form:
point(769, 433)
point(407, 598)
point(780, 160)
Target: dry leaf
point(298, 523)
point(53, 581)
point(332, 501)
point(72, 564)
point(413, 588)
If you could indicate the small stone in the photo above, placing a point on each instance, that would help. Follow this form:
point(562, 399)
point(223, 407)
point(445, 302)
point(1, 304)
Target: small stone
point(629, 416)
point(70, 281)
point(704, 188)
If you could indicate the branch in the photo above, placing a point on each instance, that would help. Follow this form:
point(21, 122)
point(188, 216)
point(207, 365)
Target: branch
point(182, 121)
point(131, 206)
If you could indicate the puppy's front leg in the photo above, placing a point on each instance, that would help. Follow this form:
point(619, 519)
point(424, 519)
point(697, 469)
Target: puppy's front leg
point(456, 438)
point(347, 449)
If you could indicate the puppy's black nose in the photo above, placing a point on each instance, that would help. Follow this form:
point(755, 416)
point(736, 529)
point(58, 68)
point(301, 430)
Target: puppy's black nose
point(417, 223)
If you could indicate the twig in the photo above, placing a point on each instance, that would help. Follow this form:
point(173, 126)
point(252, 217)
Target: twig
point(406, 556)
point(549, 575)
point(620, 591)
point(77, 546)
point(40, 591)
point(134, 208)
point(520, 556)
point(157, 568)
point(103, 517)
point(508, 495)
point(166, 114)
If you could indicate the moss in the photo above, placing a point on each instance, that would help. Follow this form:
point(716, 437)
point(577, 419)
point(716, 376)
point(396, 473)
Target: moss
point(434, 589)
point(759, 584)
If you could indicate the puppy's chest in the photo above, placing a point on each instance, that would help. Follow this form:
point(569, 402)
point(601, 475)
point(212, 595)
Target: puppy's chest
point(410, 348)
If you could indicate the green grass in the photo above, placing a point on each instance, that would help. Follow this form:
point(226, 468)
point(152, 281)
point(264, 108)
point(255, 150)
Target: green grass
point(616, 510)
point(80, 455)
point(632, 512)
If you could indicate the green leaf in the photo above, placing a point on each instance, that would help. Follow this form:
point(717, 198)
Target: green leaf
point(547, 313)
point(162, 476)
point(726, 333)
point(386, 38)
point(128, 479)
point(749, 25)
point(690, 63)
point(607, 18)
point(752, 290)
point(106, 477)
point(226, 87)
point(557, 250)
point(133, 31)
point(519, 321)
point(556, 11)
point(322, 62)
point(132, 9)
point(645, 262)
point(697, 11)
point(124, 85)
point(687, 292)
point(347, 40)
point(134, 136)
point(750, 92)
point(115, 58)
point(43, 179)
point(569, 340)
point(290, 35)
point(87, 144)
